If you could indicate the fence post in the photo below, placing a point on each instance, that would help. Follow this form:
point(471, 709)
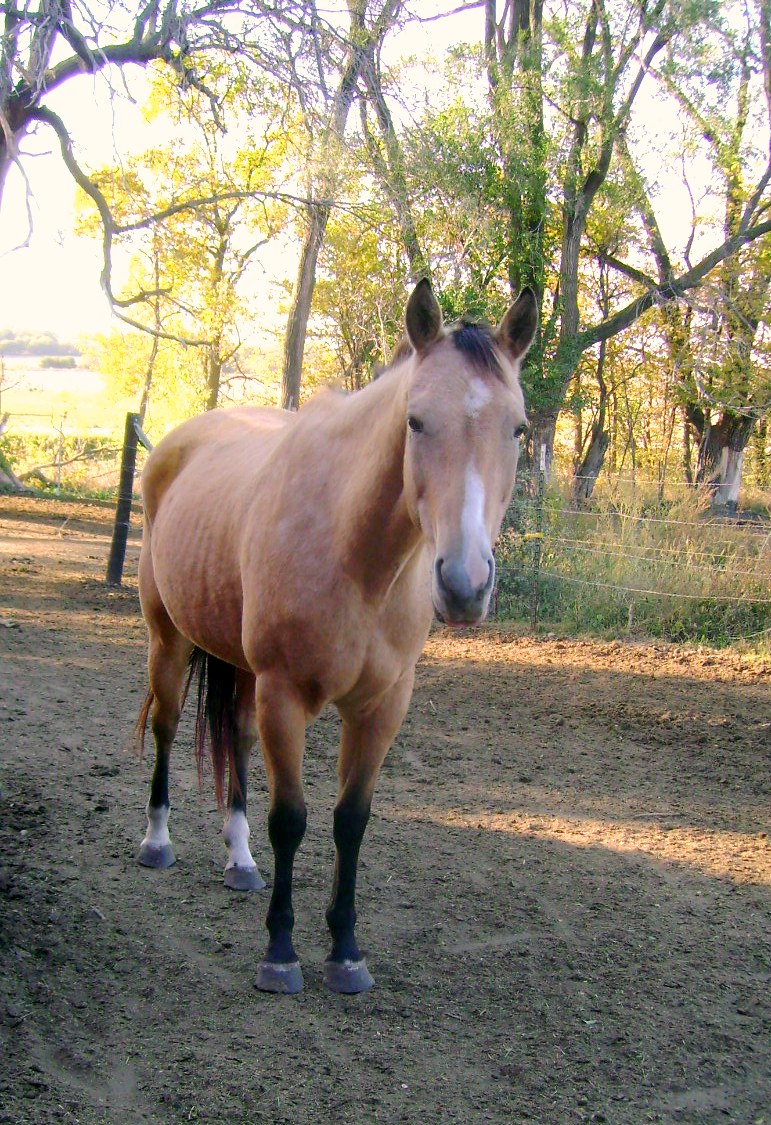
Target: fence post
point(537, 540)
point(123, 510)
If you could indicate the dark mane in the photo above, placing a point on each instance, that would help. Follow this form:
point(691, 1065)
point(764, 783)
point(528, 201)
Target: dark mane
point(477, 343)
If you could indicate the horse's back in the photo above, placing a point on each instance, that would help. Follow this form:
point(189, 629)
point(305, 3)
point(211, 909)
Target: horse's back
point(198, 441)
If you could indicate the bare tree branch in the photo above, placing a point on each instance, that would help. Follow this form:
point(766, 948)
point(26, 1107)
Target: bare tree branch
point(670, 290)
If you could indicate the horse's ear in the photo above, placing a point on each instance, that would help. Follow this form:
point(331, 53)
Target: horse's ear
point(423, 318)
point(517, 329)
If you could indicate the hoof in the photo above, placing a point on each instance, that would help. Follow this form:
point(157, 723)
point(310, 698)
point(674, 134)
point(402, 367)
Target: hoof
point(153, 855)
point(348, 976)
point(275, 977)
point(244, 879)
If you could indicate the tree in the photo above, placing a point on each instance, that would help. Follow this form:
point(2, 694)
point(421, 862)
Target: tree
point(564, 88)
point(360, 292)
point(369, 23)
point(190, 219)
point(47, 43)
point(710, 336)
point(727, 394)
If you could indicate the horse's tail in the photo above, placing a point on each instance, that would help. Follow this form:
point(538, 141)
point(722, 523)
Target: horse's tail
point(215, 722)
point(140, 726)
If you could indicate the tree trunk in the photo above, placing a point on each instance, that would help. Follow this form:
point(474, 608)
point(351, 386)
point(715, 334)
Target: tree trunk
point(721, 456)
point(392, 172)
point(687, 450)
point(300, 308)
point(364, 42)
point(727, 491)
point(760, 444)
point(213, 375)
point(591, 466)
point(147, 383)
point(542, 431)
point(8, 478)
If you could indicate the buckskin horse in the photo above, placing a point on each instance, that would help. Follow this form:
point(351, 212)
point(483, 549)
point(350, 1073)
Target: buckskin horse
point(297, 559)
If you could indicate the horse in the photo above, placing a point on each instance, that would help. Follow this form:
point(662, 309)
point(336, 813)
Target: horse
point(296, 559)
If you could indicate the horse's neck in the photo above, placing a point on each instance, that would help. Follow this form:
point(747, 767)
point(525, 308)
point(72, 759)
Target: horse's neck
point(375, 533)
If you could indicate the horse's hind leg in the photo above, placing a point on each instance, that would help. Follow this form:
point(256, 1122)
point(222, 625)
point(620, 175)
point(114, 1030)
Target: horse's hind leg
point(241, 872)
point(168, 660)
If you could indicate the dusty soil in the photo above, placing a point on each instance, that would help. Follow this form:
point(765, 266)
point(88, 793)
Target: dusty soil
point(564, 892)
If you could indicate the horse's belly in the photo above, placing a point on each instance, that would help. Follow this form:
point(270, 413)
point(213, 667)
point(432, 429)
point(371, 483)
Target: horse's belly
point(198, 579)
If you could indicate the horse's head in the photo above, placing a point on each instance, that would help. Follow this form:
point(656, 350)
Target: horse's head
point(465, 417)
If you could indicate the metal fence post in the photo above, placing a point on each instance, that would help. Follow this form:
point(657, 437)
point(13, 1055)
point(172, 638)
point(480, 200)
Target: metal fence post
point(123, 509)
point(537, 540)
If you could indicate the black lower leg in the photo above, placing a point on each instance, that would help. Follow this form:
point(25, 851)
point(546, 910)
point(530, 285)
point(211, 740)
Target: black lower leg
point(350, 821)
point(286, 828)
point(159, 784)
point(237, 785)
point(155, 849)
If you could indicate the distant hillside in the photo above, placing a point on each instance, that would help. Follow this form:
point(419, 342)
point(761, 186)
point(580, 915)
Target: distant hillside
point(33, 343)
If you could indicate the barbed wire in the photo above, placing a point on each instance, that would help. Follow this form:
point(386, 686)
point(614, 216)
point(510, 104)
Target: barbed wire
point(718, 557)
point(684, 558)
point(655, 593)
point(710, 522)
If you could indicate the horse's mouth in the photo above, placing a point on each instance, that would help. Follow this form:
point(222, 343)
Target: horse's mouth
point(444, 618)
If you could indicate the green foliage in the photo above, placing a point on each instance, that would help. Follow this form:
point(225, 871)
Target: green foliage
point(88, 465)
point(189, 262)
point(178, 385)
point(359, 295)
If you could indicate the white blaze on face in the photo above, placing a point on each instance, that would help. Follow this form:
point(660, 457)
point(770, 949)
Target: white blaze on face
point(476, 542)
point(477, 396)
point(236, 833)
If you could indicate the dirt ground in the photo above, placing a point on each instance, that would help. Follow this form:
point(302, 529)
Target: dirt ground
point(564, 894)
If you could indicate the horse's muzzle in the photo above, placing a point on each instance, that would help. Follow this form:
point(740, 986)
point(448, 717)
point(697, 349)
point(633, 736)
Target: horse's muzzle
point(458, 599)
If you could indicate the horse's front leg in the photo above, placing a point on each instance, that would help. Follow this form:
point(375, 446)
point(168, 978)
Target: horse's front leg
point(365, 742)
point(281, 720)
point(241, 873)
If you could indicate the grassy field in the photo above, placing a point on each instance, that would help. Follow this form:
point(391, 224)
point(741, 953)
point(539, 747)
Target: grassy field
point(43, 400)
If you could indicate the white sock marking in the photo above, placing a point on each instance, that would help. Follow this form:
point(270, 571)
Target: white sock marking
point(236, 833)
point(157, 835)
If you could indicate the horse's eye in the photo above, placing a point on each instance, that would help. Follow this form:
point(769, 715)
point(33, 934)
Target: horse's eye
point(521, 430)
point(415, 424)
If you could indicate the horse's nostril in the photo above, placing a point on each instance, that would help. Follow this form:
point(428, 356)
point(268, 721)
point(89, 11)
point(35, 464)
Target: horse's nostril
point(483, 590)
point(459, 586)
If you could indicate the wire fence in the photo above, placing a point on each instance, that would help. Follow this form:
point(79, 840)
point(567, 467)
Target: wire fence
point(638, 558)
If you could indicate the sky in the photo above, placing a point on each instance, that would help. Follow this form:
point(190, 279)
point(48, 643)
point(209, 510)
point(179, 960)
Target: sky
point(49, 278)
